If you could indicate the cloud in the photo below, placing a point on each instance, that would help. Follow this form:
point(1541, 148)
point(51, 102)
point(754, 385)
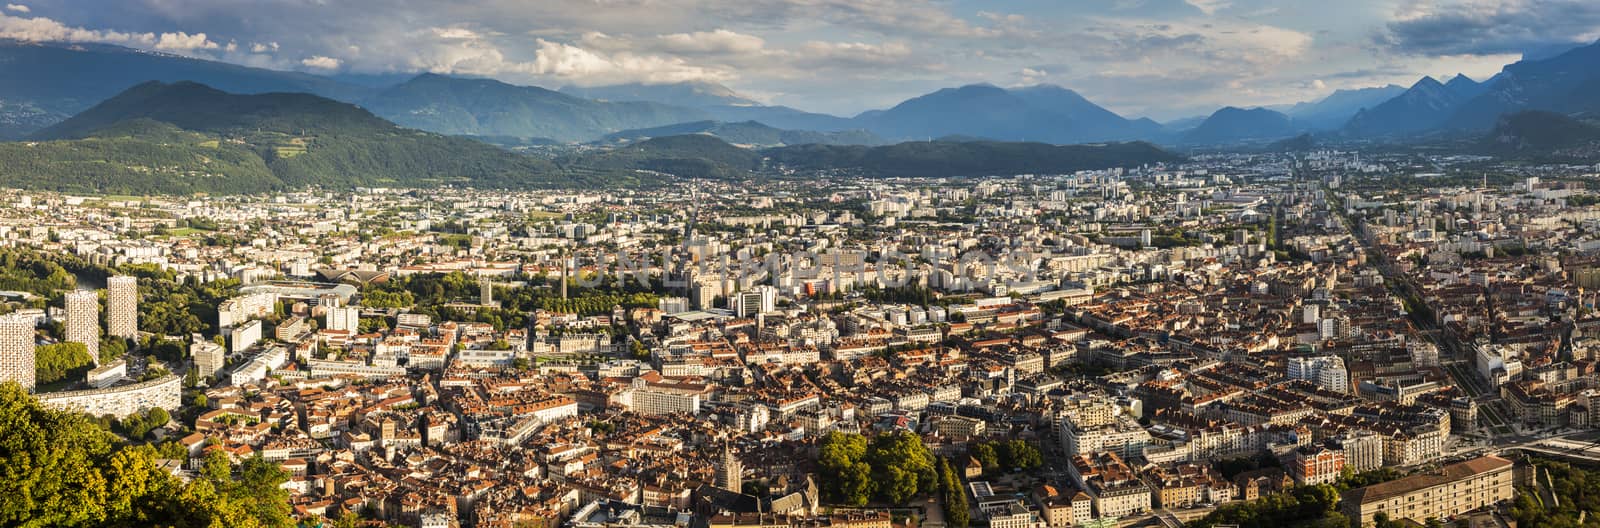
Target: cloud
point(720, 41)
point(181, 41)
point(1210, 7)
point(322, 63)
point(1223, 44)
point(18, 8)
point(842, 55)
point(1488, 27)
point(41, 29)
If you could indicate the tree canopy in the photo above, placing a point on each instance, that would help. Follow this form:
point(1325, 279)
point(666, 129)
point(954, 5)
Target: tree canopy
point(58, 468)
point(892, 467)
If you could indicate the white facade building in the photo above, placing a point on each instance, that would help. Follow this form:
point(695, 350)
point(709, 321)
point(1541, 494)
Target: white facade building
point(122, 306)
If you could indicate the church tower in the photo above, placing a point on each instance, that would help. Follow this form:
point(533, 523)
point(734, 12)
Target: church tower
point(730, 472)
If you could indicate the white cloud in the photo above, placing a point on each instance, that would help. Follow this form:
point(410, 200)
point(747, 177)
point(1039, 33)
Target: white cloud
point(181, 41)
point(455, 33)
point(41, 29)
point(853, 54)
point(321, 63)
point(582, 66)
point(263, 47)
point(18, 8)
point(1210, 7)
point(720, 41)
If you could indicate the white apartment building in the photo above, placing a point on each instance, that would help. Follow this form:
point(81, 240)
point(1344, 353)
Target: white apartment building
point(16, 350)
point(83, 321)
point(1327, 372)
point(122, 306)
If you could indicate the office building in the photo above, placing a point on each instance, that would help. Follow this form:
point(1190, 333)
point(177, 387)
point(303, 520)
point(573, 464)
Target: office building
point(758, 300)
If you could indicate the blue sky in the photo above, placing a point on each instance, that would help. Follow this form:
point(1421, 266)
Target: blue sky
point(1157, 58)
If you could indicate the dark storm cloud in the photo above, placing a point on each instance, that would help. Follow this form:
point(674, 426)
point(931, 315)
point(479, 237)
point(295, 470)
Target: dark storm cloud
point(1485, 27)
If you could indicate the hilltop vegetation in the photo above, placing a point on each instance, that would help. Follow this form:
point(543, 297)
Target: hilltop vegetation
point(693, 155)
point(1534, 134)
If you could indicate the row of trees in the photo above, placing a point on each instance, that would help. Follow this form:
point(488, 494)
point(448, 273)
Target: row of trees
point(891, 467)
point(59, 468)
point(957, 513)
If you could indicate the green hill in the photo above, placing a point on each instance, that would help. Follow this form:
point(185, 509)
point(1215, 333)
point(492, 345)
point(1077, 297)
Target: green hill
point(185, 137)
point(1540, 135)
point(967, 158)
point(692, 155)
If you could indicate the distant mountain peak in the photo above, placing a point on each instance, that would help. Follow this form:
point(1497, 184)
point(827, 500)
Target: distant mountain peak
point(1232, 124)
point(1427, 81)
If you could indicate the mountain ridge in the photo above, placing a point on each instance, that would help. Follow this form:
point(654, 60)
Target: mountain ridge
point(175, 133)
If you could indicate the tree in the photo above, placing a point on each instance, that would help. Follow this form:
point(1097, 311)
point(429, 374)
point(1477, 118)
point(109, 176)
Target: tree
point(59, 361)
point(894, 467)
point(986, 455)
point(845, 478)
point(903, 466)
point(50, 473)
point(1021, 455)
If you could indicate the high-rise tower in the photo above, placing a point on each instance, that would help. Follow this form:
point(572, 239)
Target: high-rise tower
point(83, 321)
point(16, 350)
point(122, 307)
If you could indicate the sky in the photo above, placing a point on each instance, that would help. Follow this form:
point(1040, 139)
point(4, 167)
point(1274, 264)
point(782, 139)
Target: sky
point(1163, 59)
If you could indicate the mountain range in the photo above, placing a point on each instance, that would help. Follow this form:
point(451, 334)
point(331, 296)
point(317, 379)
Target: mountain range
point(1042, 113)
point(1333, 111)
point(486, 107)
point(48, 82)
point(185, 137)
point(42, 84)
point(1424, 106)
